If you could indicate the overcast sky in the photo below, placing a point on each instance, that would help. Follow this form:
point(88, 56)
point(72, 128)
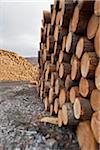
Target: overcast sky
point(20, 22)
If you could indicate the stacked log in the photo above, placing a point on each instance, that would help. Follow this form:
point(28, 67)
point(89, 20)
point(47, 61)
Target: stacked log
point(69, 60)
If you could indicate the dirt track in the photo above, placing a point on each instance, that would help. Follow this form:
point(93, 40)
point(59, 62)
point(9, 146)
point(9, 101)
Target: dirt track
point(20, 129)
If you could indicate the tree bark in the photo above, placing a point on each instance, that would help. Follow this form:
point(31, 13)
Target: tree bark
point(86, 87)
point(82, 109)
point(89, 62)
point(83, 45)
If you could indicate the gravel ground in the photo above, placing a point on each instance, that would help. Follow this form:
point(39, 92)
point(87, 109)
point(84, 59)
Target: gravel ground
point(20, 129)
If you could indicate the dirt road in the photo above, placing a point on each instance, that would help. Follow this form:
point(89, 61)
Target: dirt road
point(20, 129)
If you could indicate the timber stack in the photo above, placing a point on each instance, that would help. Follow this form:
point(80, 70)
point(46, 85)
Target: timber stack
point(69, 61)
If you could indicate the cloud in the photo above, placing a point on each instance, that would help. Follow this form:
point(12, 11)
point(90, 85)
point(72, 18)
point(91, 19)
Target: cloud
point(20, 23)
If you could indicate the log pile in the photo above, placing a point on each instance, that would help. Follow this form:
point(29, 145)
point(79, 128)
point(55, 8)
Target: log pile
point(69, 60)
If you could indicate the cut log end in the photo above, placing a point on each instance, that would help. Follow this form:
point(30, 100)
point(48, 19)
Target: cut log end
point(84, 87)
point(79, 48)
point(97, 76)
point(77, 108)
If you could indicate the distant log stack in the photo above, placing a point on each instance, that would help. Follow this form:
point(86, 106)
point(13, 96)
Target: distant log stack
point(69, 60)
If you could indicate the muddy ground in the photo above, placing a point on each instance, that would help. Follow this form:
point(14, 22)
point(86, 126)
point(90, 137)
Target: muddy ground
point(20, 129)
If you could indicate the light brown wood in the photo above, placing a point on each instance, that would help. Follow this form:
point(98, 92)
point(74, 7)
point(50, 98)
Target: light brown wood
point(92, 26)
point(95, 100)
point(51, 120)
point(46, 65)
point(81, 17)
point(71, 42)
point(56, 33)
point(59, 83)
point(64, 57)
point(85, 136)
point(97, 76)
point(57, 49)
point(97, 7)
point(60, 121)
point(64, 70)
point(46, 103)
point(83, 45)
point(53, 16)
point(68, 115)
point(51, 109)
point(62, 97)
point(82, 109)
point(51, 95)
point(64, 43)
point(58, 17)
point(46, 75)
point(47, 86)
point(75, 69)
point(51, 68)
point(97, 42)
point(74, 92)
point(89, 62)
point(95, 125)
point(54, 76)
point(56, 105)
point(86, 87)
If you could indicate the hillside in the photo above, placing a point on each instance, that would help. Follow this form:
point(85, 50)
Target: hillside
point(14, 67)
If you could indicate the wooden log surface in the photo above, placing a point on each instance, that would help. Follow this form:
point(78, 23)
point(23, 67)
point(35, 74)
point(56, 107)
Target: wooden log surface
point(64, 70)
point(82, 109)
point(74, 92)
point(85, 136)
point(97, 76)
point(86, 87)
point(68, 115)
point(97, 42)
point(92, 26)
point(95, 100)
point(83, 45)
point(89, 62)
point(95, 125)
point(97, 8)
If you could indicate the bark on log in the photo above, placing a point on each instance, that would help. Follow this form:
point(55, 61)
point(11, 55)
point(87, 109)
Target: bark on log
point(97, 8)
point(95, 100)
point(85, 136)
point(75, 69)
point(64, 57)
point(92, 26)
point(47, 86)
point(71, 42)
point(54, 76)
point(81, 17)
point(47, 17)
point(97, 42)
point(64, 70)
point(67, 11)
point(53, 59)
point(50, 44)
point(57, 49)
point(51, 68)
point(59, 83)
point(57, 66)
point(86, 87)
point(89, 62)
point(95, 125)
point(68, 115)
point(74, 92)
point(83, 45)
point(68, 82)
point(97, 76)
point(82, 109)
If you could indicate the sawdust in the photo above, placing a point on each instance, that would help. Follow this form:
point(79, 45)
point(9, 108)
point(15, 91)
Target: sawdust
point(14, 67)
